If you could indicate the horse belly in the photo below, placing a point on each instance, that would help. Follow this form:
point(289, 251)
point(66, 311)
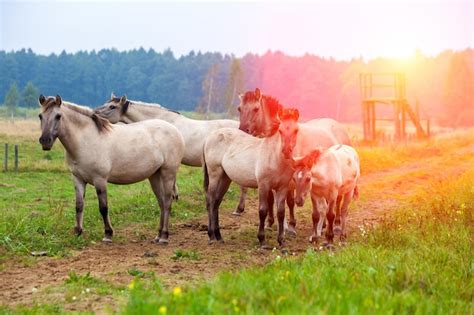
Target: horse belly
point(243, 176)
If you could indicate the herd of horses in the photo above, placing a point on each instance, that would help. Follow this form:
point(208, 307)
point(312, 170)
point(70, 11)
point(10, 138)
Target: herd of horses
point(124, 142)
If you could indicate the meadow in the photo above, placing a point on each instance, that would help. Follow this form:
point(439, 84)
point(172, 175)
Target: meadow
point(409, 249)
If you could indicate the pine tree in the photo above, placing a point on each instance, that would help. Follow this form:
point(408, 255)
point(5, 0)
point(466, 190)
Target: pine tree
point(11, 99)
point(235, 84)
point(29, 96)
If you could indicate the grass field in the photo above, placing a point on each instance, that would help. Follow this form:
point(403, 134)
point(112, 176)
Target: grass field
point(409, 250)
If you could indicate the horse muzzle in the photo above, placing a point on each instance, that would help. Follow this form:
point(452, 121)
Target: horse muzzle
point(46, 142)
point(299, 201)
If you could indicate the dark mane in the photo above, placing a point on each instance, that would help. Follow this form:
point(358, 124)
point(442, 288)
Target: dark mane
point(272, 105)
point(49, 103)
point(102, 124)
point(128, 102)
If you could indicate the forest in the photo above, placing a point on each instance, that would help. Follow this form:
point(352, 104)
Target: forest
point(442, 85)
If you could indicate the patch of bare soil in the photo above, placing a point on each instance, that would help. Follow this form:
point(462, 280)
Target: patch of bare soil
point(111, 262)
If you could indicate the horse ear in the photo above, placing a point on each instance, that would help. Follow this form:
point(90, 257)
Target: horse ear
point(42, 99)
point(258, 94)
point(312, 157)
point(112, 96)
point(280, 112)
point(59, 101)
point(123, 100)
point(295, 113)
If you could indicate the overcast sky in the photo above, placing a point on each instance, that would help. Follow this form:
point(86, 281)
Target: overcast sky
point(341, 29)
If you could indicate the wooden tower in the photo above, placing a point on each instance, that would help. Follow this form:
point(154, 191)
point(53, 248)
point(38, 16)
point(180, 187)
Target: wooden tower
point(392, 86)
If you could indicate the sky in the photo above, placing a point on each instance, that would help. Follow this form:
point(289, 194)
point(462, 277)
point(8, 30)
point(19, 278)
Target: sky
point(341, 29)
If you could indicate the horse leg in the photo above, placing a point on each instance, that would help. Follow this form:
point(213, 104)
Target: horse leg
point(218, 185)
point(330, 216)
point(241, 206)
point(263, 198)
point(101, 190)
point(280, 197)
point(290, 201)
point(322, 208)
point(163, 186)
point(337, 222)
point(344, 211)
point(80, 188)
point(315, 216)
point(271, 217)
point(175, 192)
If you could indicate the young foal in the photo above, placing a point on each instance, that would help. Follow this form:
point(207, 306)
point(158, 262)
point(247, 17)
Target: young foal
point(98, 153)
point(193, 131)
point(330, 176)
point(263, 163)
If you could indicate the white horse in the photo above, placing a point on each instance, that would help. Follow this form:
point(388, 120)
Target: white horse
point(331, 176)
point(263, 163)
point(258, 116)
point(98, 153)
point(193, 131)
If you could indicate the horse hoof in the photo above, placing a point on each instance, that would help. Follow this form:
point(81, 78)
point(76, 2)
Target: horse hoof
point(313, 239)
point(266, 247)
point(237, 213)
point(77, 231)
point(291, 231)
point(337, 229)
point(329, 246)
point(163, 241)
point(284, 251)
point(107, 240)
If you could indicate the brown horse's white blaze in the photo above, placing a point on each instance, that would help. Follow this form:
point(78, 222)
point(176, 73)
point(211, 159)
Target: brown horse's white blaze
point(263, 163)
point(330, 176)
point(194, 132)
point(258, 116)
point(98, 153)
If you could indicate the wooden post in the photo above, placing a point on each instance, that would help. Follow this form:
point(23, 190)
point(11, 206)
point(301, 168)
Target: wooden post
point(5, 163)
point(16, 158)
point(372, 127)
point(428, 134)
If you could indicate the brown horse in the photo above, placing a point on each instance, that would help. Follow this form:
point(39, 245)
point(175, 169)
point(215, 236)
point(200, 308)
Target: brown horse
point(258, 116)
point(99, 153)
point(263, 163)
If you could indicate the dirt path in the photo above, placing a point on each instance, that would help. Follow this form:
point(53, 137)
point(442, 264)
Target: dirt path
point(381, 192)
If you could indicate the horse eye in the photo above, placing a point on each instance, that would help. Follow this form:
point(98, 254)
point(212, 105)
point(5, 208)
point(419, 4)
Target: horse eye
point(112, 107)
point(58, 116)
point(238, 108)
point(307, 179)
point(40, 116)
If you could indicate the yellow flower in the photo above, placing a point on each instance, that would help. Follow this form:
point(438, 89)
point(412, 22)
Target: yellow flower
point(162, 309)
point(131, 285)
point(177, 291)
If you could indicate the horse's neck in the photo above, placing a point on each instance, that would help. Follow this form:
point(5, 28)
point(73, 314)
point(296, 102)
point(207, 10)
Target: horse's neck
point(138, 112)
point(272, 150)
point(74, 126)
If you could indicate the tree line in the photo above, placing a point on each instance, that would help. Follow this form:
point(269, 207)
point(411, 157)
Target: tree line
point(319, 87)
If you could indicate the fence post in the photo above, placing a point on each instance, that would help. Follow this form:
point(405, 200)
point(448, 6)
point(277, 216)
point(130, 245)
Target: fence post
point(5, 163)
point(16, 158)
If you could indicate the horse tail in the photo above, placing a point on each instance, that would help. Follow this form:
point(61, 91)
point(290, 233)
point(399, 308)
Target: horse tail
point(206, 174)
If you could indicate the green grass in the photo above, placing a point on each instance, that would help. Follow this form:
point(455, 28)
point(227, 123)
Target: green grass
point(420, 261)
point(37, 204)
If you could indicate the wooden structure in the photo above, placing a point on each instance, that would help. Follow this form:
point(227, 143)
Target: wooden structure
point(387, 88)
